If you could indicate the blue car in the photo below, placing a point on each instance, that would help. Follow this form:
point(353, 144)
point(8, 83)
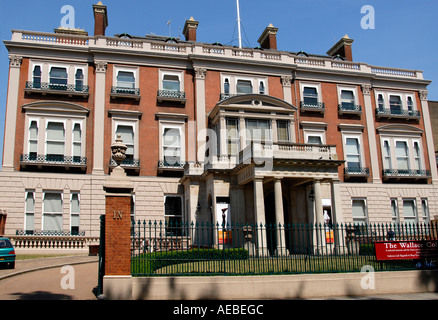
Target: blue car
point(7, 253)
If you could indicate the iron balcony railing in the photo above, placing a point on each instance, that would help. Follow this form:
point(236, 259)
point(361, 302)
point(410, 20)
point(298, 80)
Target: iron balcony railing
point(57, 88)
point(398, 113)
point(53, 159)
point(128, 162)
point(318, 106)
point(163, 164)
point(171, 95)
point(406, 173)
point(349, 109)
point(125, 91)
point(160, 248)
point(360, 171)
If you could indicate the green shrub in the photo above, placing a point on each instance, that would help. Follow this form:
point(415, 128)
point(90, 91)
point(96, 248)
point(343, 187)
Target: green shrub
point(147, 263)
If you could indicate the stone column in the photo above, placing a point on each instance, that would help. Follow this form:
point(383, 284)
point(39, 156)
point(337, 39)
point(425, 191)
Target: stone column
point(429, 136)
point(259, 216)
point(11, 113)
point(279, 217)
point(201, 126)
point(319, 217)
point(369, 115)
point(99, 117)
point(117, 282)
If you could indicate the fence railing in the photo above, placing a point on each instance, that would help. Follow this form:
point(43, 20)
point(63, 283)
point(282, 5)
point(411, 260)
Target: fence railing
point(166, 249)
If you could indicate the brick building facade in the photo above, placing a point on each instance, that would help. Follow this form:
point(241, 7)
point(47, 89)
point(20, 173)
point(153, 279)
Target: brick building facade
point(270, 135)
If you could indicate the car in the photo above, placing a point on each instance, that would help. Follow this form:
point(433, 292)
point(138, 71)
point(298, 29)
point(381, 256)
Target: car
point(7, 253)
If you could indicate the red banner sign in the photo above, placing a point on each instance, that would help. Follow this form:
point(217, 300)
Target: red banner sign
point(406, 250)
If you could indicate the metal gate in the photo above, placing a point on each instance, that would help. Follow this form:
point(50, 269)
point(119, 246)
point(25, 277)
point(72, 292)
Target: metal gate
point(101, 256)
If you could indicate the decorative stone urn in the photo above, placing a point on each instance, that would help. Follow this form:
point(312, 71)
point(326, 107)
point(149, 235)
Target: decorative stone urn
point(118, 150)
point(118, 179)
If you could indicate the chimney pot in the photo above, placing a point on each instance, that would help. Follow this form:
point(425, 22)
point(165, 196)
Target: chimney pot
point(268, 39)
point(342, 48)
point(190, 29)
point(100, 19)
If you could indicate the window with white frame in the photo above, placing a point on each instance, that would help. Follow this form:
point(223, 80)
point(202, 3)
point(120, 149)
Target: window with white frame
point(347, 96)
point(310, 96)
point(55, 138)
point(233, 138)
point(387, 163)
point(33, 139)
point(77, 141)
point(359, 211)
point(29, 214)
point(347, 99)
point(396, 102)
point(173, 215)
point(37, 73)
point(125, 79)
point(402, 154)
point(58, 76)
point(127, 132)
point(409, 211)
point(394, 211)
point(258, 130)
point(244, 87)
point(172, 155)
point(232, 84)
point(52, 211)
point(171, 80)
point(425, 210)
point(353, 153)
point(75, 213)
point(79, 79)
point(283, 134)
point(311, 93)
point(314, 133)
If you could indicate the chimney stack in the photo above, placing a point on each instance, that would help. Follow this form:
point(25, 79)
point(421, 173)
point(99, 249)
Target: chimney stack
point(268, 39)
point(100, 19)
point(342, 48)
point(190, 28)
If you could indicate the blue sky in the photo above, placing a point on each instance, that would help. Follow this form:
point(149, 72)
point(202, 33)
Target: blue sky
point(405, 34)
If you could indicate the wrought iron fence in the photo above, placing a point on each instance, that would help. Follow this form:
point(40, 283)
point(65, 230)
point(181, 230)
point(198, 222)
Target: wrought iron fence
point(171, 249)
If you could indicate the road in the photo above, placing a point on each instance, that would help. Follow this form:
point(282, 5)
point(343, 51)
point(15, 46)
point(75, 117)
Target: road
point(75, 283)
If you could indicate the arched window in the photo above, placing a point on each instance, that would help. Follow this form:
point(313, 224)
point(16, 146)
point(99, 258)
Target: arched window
point(37, 77)
point(262, 88)
point(79, 77)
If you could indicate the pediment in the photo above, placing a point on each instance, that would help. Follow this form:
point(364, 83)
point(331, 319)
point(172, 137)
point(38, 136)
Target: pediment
point(399, 128)
point(55, 106)
point(254, 102)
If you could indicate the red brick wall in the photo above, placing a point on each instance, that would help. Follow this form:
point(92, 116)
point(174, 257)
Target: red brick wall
point(117, 235)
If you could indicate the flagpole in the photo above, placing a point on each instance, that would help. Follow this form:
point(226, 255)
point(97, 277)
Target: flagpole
point(238, 25)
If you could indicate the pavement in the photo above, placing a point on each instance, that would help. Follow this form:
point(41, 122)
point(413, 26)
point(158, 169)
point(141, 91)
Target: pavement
point(41, 279)
point(48, 279)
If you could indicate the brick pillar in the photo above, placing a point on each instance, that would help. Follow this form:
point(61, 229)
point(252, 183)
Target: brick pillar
point(118, 234)
point(117, 282)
